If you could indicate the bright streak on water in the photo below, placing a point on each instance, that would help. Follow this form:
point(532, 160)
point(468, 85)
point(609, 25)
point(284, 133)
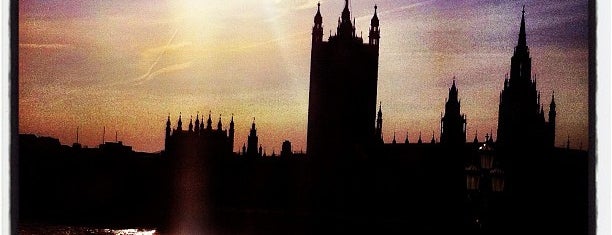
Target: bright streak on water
point(130, 232)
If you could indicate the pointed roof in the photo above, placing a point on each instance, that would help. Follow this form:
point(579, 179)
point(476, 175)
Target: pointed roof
point(219, 125)
point(318, 19)
point(374, 22)
point(346, 13)
point(552, 103)
point(180, 122)
point(209, 121)
point(522, 41)
point(453, 92)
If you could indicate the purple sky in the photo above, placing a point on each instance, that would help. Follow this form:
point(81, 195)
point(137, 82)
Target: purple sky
point(127, 64)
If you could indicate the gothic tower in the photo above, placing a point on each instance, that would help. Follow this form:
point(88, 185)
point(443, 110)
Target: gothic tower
point(252, 141)
point(453, 123)
point(343, 85)
point(521, 115)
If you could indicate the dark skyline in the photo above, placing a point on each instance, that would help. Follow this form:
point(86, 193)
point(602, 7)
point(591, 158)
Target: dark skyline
point(188, 49)
point(348, 180)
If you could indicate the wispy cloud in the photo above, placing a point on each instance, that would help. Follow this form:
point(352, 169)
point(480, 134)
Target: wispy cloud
point(308, 4)
point(171, 68)
point(147, 75)
point(44, 46)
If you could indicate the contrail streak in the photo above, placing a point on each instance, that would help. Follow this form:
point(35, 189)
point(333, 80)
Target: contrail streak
point(161, 54)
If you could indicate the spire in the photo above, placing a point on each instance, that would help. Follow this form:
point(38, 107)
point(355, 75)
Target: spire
point(253, 125)
point(190, 123)
point(318, 19)
point(394, 142)
point(219, 125)
point(406, 141)
point(452, 92)
point(374, 22)
point(420, 141)
point(209, 121)
point(522, 41)
point(180, 122)
point(197, 122)
point(346, 14)
point(476, 137)
point(552, 103)
point(433, 138)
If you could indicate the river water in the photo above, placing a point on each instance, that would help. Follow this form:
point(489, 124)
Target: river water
point(39, 229)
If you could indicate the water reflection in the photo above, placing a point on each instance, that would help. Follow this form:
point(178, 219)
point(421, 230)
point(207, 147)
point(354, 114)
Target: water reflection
point(31, 229)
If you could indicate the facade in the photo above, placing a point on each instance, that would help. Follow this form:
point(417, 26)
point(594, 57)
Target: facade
point(343, 86)
point(222, 140)
point(521, 114)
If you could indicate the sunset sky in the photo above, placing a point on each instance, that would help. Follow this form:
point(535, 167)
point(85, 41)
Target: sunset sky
point(126, 65)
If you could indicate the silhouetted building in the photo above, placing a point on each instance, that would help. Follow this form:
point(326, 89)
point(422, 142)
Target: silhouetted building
point(350, 181)
point(252, 142)
point(286, 149)
point(343, 85)
point(521, 114)
point(453, 123)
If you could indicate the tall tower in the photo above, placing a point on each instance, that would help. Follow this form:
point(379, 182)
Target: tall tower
point(374, 29)
point(252, 141)
point(521, 119)
point(343, 86)
point(453, 123)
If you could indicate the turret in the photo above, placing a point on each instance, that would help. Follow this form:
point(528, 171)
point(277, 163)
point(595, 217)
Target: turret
point(231, 133)
point(168, 128)
point(374, 29)
point(252, 141)
point(317, 29)
point(419, 141)
point(197, 122)
point(209, 122)
point(179, 126)
point(219, 124)
point(345, 26)
point(191, 124)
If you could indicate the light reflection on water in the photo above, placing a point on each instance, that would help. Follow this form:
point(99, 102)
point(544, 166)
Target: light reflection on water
point(32, 229)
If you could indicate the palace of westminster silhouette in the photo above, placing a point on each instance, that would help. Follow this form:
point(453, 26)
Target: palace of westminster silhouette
point(350, 181)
